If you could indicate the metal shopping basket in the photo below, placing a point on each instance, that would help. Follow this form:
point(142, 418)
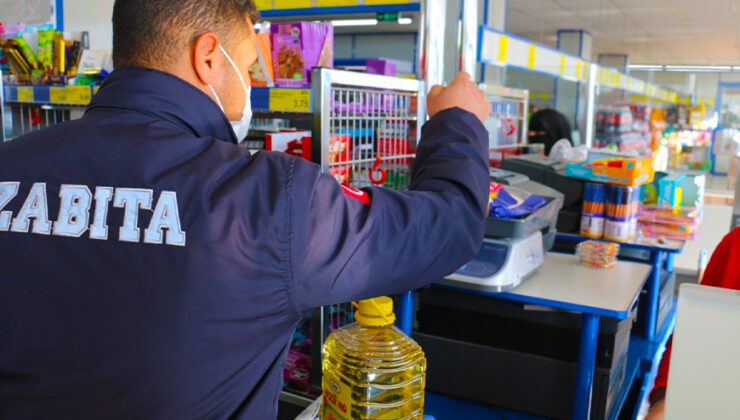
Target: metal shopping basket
point(366, 129)
point(507, 125)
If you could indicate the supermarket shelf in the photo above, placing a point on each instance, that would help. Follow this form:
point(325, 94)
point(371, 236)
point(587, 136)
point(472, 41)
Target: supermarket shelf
point(341, 10)
point(274, 100)
point(50, 95)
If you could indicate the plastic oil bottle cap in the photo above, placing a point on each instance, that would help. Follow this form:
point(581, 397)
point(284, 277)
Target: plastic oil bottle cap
point(376, 312)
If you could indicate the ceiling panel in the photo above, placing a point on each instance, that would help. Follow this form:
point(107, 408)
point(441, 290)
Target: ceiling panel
point(650, 31)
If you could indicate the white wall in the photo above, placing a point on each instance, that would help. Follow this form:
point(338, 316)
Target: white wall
point(93, 16)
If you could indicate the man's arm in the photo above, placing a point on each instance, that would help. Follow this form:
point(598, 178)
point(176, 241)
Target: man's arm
point(343, 249)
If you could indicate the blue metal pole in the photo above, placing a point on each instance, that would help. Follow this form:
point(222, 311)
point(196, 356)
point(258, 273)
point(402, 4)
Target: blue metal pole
point(405, 311)
point(653, 292)
point(669, 261)
point(586, 366)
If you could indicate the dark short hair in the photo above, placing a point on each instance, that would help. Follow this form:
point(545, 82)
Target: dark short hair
point(150, 33)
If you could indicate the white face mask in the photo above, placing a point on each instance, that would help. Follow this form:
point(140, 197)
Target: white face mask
point(241, 127)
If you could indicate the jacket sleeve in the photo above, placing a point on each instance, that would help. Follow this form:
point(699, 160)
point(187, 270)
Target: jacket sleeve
point(722, 271)
point(342, 249)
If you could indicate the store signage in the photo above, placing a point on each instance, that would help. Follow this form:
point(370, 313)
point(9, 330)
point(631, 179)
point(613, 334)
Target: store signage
point(387, 16)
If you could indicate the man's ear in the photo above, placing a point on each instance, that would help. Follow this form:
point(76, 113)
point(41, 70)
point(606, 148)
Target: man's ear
point(205, 57)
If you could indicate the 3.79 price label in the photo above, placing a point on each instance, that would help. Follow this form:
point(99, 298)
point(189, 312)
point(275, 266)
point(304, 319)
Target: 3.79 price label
point(290, 100)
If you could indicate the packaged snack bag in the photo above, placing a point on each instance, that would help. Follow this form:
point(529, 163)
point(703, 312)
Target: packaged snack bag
point(297, 48)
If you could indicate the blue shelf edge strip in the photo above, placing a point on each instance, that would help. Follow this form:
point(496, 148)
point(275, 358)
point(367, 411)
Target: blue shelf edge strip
point(341, 10)
point(41, 96)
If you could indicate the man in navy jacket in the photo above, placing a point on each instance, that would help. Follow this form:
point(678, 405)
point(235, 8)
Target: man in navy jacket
point(151, 268)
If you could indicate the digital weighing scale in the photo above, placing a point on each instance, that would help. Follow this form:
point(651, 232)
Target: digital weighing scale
point(513, 250)
point(501, 264)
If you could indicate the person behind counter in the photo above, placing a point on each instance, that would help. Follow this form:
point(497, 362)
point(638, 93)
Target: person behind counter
point(723, 271)
point(152, 268)
point(547, 126)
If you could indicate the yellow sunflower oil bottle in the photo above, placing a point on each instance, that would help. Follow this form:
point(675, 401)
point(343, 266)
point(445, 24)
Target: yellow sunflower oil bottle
point(372, 370)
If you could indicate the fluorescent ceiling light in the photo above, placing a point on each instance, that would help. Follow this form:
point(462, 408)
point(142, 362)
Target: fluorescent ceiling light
point(645, 67)
point(405, 21)
point(660, 67)
point(698, 68)
point(355, 22)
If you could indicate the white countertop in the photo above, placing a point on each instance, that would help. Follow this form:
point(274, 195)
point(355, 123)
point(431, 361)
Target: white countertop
point(563, 283)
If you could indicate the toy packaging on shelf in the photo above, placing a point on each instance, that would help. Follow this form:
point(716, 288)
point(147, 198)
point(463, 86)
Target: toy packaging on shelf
point(298, 47)
point(613, 169)
point(598, 254)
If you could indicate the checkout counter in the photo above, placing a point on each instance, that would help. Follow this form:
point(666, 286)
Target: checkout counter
point(524, 329)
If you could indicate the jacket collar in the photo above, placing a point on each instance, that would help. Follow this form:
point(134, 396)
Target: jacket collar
point(164, 96)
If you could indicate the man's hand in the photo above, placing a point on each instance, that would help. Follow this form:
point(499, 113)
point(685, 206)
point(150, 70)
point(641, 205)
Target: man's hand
point(657, 411)
point(461, 93)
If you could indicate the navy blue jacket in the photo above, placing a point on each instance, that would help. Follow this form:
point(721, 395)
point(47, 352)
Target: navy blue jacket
point(151, 268)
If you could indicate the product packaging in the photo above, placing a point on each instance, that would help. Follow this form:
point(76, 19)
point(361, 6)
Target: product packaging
point(340, 150)
point(594, 208)
point(262, 73)
point(622, 207)
point(297, 48)
point(27, 52)
point(296, 143)
point(613, 169)
point(45, 50)
point(598, 254)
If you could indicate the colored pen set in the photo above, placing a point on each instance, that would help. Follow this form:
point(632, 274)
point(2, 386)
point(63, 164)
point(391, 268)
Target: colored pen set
point(610, 211)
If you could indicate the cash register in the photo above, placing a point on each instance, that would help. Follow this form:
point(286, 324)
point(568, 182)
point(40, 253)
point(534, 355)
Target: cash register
point(513, 249)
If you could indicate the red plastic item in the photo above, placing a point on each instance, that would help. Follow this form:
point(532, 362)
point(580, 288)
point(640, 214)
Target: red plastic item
point(376, 168)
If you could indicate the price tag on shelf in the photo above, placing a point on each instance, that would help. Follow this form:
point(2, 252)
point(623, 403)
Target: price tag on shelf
point(376, 2)
point(329, 3)
point(290, 100)
point(57, 95)
point(25, 94)
point(78, 95)
point(293, 4)
point(263, 4)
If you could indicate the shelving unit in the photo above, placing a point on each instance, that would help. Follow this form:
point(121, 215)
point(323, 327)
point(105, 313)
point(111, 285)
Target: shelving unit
point(340, 10)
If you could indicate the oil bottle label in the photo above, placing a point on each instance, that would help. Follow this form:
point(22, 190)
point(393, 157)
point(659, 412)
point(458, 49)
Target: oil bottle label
point(337, 397)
